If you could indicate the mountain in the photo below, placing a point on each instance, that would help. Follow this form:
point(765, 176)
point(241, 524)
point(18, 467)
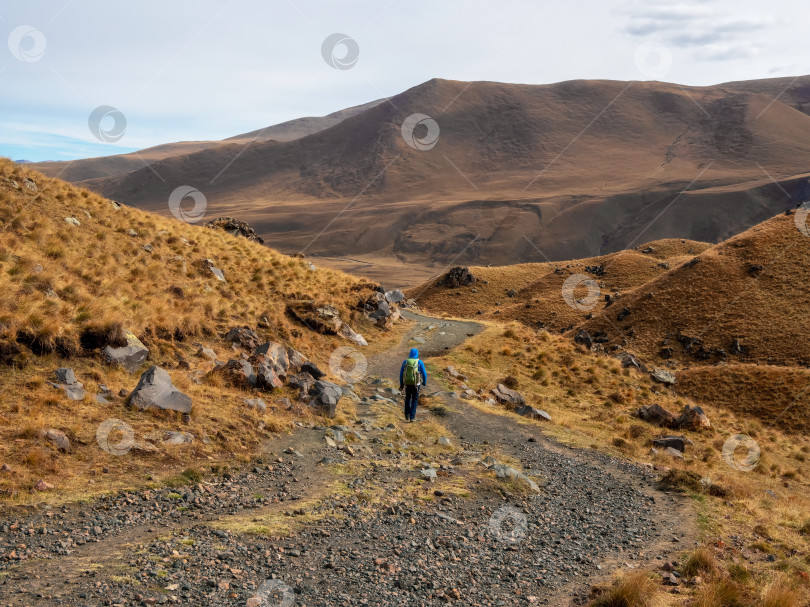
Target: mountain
point(519, 173)
point(109, 166)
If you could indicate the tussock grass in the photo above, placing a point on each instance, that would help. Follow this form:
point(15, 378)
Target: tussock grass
point(67, 291)
point(637, 589)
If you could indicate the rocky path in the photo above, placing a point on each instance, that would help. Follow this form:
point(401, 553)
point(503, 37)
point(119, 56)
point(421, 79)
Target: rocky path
point(378, 514)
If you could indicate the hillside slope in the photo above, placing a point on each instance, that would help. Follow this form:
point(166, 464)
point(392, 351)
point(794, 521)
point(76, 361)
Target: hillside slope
point(79, 273)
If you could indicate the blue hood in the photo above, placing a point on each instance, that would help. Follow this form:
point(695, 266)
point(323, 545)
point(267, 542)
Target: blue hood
point(414, 353)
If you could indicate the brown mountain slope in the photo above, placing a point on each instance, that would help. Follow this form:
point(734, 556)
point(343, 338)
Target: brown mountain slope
point(532, 293)
point(751, 288)
point(578, 168)
point(109, 166)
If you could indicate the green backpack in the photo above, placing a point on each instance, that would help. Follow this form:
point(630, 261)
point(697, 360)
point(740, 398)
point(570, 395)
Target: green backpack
point(412, 372)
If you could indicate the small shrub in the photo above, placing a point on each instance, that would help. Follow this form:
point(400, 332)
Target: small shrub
point(510, 382)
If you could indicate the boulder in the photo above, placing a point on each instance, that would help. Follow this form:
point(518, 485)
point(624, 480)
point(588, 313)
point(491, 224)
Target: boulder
point(66, 380)
point(129, 357)
point(672, 452)
point(236, 372)
point(347, 332)
point(302, 381)
point(65, 376)
point(693, 418)
point(207, 353)
point(325, 396)
point(656, 414)
point(451, 371)
point(676, 442)
point(312, 369)
point(156, 391)
point(42, 485)
point(584, 338)
point(628, 360)
point(266, 376)
point(274, 355)
point(58, 439)
point(395, 296)
point(508, 397)
point(663, 376)
point(531, 412)
point(244, 337)
point(296, 359)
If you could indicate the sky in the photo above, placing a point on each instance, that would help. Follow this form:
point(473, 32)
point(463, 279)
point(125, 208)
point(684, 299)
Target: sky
point(81, 78)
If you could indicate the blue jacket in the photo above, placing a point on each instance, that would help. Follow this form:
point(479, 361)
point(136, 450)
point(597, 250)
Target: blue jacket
point(413, 354)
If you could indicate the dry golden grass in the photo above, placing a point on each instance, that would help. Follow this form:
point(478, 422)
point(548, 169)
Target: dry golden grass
point(66, 290)
point(590, 399)
point(538, 289)
point(636, 589)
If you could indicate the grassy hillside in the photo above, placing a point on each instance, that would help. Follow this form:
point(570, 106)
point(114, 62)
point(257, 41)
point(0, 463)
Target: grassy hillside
point(78, 272)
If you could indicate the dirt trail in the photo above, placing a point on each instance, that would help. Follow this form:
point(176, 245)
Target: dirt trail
point(368, 528)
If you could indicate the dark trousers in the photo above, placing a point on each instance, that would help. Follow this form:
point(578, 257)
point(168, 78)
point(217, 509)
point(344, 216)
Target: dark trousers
point(411, 401)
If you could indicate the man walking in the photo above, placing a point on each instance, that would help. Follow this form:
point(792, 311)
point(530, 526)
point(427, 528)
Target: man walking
point(411, 375)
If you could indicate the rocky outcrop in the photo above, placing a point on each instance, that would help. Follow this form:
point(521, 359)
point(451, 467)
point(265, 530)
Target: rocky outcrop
point(458, 277)
point(57, 438)
point(155, 390)
point(234, 227)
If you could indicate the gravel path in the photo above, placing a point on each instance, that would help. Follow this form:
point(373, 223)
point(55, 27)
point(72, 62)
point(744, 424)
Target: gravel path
point(389, 537)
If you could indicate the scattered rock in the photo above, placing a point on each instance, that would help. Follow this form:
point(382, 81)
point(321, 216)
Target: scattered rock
point(244, 337)
point(66, 380)
point(73, 221)
point(155, 390)
point(754, 270)
point(673, 453)
point(347, 332)
point(275, 355)
point(676, 442)
point(207, 353)
point(58, 439)
point(451, 371)
point(256, 403)
point(656, 414)
point(325, 396)
point(444, 441)
point(693, 418)
point(42, 486)
point(312, 369)
point(584, 338)
point(508, 397)
point(531, 412)
point(663, 376)
point(129, 357)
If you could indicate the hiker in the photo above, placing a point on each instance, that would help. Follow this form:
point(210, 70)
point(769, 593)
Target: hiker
point(411, 375)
